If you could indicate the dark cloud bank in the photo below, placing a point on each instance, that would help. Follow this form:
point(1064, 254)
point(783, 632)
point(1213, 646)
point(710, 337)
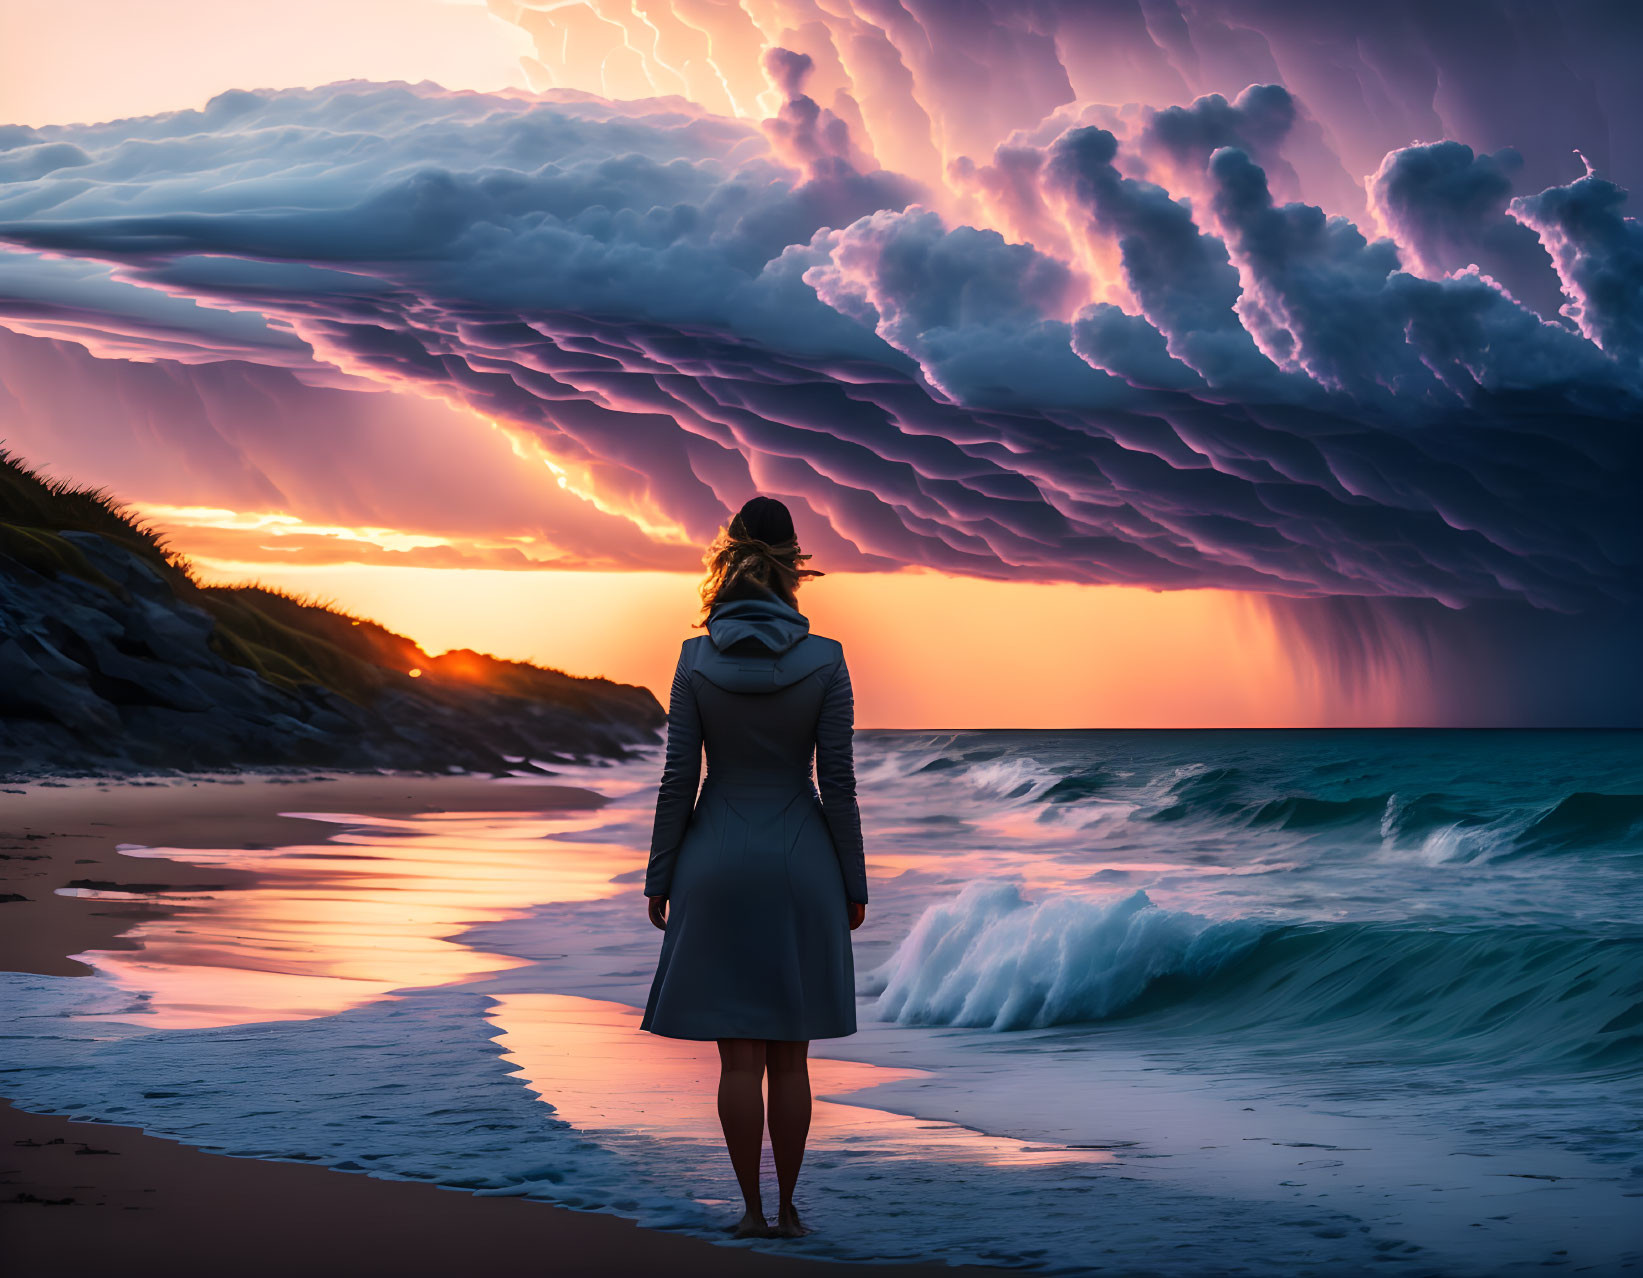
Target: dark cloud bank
point(1427, 443)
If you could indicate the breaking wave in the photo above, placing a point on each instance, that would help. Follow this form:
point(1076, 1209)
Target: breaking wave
point(1518, 995)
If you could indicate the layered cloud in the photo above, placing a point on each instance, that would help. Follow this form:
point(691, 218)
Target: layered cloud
point(246, 463)
point(1206, 387)
point(933, 81)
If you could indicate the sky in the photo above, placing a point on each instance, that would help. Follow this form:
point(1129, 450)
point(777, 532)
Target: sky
point(1124, 364)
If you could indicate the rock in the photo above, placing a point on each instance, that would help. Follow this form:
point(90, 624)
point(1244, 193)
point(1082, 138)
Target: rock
point(178, 634)
point(28, 690)
point(132, 681)
point(92, 680)
point(120, 565)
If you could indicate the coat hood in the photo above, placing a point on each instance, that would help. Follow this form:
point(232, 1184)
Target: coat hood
point(790, 651)
point(775, 624)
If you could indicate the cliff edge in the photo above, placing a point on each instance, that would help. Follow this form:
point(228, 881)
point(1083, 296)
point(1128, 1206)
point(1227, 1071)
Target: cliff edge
point(114, 658)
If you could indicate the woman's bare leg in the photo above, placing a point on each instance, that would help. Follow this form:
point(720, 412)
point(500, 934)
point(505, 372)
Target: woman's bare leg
point(788, 1070)
point(741, 1114)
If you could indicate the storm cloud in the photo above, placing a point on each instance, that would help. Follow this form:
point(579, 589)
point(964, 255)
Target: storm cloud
point(1260, 396)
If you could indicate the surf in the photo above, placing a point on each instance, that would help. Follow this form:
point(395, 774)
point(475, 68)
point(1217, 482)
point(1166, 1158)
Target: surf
point(1517, 995)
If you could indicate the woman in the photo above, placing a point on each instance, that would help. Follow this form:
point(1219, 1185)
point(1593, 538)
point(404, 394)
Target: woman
point(758, 883)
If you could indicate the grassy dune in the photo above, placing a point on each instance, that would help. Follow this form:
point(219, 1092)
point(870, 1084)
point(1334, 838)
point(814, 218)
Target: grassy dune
point(289, 641)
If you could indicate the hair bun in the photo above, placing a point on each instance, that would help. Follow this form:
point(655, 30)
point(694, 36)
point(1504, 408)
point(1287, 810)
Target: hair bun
point(764, 519)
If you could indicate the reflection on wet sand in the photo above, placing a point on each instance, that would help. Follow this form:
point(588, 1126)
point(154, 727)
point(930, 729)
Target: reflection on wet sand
point(326, 927)
point(603, 1074)
point(343, 923)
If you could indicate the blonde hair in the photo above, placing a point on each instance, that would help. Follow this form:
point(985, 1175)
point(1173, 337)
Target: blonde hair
point(736, 556)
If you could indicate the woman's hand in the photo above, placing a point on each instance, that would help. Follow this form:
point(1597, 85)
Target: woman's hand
point(658, 911)
point(858, 914)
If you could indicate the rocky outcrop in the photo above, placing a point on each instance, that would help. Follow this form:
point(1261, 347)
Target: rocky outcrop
point(113, 660)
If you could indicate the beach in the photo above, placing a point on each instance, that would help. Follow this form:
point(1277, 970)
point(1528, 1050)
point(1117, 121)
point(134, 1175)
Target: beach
point(142, 1205)
point(1326, 1003)
point(79, 1197)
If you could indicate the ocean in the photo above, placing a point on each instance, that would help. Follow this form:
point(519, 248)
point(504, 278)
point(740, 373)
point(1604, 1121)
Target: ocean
point(1151, 1001)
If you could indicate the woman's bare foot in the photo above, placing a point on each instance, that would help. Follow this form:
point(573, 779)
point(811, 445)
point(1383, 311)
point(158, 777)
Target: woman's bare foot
point(752, 1225)
point(788, 1224)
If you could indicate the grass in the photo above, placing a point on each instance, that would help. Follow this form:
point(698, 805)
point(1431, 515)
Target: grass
point(35, 510)
point(285, 638)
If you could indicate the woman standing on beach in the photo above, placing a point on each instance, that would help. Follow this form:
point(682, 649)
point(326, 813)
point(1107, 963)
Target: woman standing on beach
point(758, 883)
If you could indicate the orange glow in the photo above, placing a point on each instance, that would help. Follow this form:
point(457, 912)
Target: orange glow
point(603, 1073)
point(241, 541)
point(270, 525)
point(461, 665)
point(926, 650)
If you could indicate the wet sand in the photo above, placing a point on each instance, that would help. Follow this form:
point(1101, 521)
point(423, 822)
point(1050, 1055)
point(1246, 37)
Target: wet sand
point(81, 1198)
point(61, 834)
point(139, 1205)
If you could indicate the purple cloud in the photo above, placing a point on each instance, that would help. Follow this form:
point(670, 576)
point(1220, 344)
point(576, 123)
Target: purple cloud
point(685, 316)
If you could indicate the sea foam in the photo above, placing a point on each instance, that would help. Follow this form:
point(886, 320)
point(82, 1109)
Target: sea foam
point(988, 957)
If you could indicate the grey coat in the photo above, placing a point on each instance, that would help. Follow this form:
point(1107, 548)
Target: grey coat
point(758, 869)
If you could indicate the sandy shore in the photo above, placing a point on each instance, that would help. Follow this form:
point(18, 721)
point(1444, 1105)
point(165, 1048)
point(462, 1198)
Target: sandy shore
point(139, 1204)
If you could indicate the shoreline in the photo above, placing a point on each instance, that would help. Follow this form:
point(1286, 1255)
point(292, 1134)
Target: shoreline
point(59, 832)
point(164, 1206)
